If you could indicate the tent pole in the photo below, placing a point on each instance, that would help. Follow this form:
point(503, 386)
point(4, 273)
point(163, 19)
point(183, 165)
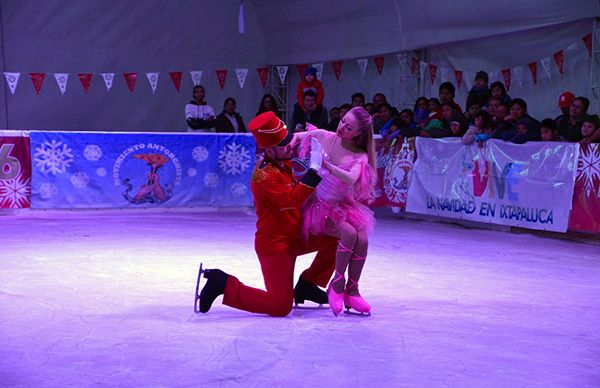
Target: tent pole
point(3, 66)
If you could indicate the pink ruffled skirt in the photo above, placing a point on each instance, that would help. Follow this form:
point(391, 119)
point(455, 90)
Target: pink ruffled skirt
point(317, 213)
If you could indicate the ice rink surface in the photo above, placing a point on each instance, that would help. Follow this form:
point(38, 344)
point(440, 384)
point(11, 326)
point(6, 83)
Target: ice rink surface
point(105, 298)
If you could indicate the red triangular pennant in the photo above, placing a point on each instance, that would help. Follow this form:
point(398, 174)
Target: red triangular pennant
point(458, 74)
point(130, 79)
point(379, 63)
point(559, 58)
point(263, 73)
point(414, 65)
point(337, 68)
point(86, 81)
point(587, 40)
point(302, 69)
point(533, 69)
point(37, 79)
point(506, 76)
point(176, 78)
point(432, 72)
point(221, 77)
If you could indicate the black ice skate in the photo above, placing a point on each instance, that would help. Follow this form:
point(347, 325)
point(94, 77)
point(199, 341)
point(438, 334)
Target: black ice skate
point(305, 290)
point(215, 286)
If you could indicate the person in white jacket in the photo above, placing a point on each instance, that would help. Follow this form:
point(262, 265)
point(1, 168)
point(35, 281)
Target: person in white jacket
point(199, 115)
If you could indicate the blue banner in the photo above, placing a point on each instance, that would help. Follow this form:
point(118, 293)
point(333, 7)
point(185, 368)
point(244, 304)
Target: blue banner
point(115, 170)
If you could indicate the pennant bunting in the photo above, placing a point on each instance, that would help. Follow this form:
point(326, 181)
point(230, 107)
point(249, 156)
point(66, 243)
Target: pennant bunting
point(12, 79)
point(587, 40)
point(153, 80)
point(301, 69)
point(444, 73)
point(459, 76)
point(414, 64)
point(518, 72)
point(379, 63)
point(468, 78)
point(506, 77)
point(546, 66)
point(533, 69)
point(337, 68)
point(241, 76)
point(282, 73)
point(221, 77)
point(196, 77)
point(130, 79)
point(559, 58)
point(423, 68)
point(108, 80)
point(38, 80)
point(263, 73)
point(176, 79)
point(493, 77)
point(86, 81)
point(362, 64)
point(61, 81)
point(432, 72)
point(319, 67)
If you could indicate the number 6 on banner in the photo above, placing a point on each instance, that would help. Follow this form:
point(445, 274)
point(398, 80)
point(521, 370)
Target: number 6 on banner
point(10, 166)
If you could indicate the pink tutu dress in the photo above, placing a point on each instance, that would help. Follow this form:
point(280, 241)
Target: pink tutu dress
point(335, 199)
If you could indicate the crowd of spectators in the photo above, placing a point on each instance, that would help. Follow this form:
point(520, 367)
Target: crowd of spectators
point(489, 112)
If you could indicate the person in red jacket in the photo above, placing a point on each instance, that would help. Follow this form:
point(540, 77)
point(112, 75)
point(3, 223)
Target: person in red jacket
point(278, 241)
point(310, 82)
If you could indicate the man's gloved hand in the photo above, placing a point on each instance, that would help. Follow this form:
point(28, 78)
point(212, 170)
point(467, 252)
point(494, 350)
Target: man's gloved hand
point(316, 154)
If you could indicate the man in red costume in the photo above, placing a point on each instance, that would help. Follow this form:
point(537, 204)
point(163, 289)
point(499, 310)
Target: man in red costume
point(278, 200)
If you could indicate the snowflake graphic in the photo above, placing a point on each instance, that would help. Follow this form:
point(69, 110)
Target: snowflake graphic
point(238, 189)
point(200, 154)
point(234, 159)
point(15, 193)
point(92, 152)
point(588, 168)
point(47, 190)
point(53, 157)
point(211, 179)
point(80, 179)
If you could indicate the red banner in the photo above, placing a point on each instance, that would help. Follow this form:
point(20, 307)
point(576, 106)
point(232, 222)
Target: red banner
point(506, 77)
point(458, 74)
point(337, 69)
point(263, 73)
point(394, 169)
point(86, 81)
point(587, 40)
point(176, 78)
point(414, 65)
point(533, 68)
point(130, 79)
point(301, 69)
point(15, 171)
point(432, 72)
point(379, 63)
point(559, 58)
point(37, 79)
point(221, 77)
point(585, 213)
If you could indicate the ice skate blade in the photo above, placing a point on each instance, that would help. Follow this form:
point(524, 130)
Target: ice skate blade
point(357, 313)
point(310, 307)
point(197, 296)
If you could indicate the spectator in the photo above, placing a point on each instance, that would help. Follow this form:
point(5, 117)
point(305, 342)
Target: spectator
point(370, 108)
point(229, 120)
point(379, 99)
point(457, 125)
point(334, 119)
point(480, 93)
point(447, 110)
point(421, 112)
point(480, 130)
point(549, 131)
point(404, 125)
point(526, 129)
point(492, 105)
point(447, 93)
point(507, 129)
point(199, 115)
point(435, 128)
point(268, 104)
point(498, 90)
point(384, 119)
point(358, 99)
point(564, 103)
point(472, 111)
point(590, 130)
point(569, 126)
point(312, 113)
point(344, 109)
point(310, 83)
point(434, 106)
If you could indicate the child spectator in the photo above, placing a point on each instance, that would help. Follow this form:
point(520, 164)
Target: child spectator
point(549, 131)
point(358, 99)
point(404, 125)
point(472, 112)
point(480, 130)
point(590, 131)
point(310, 83)
point(457, 125)
point(526, 129)
point(480, 93)
point(383, 123)
point(334, 119)
point(421, 103)
point(421, 112)
point(447, 93)
point(344, 108)
point(435, 128)
point(434, 106)
point(370, 108)
point(497, 90)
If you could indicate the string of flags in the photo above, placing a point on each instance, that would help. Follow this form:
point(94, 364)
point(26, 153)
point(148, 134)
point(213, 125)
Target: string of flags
point(506, 75)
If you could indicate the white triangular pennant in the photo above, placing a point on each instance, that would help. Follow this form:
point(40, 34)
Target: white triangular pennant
point(468, 78)
point(546, 66)
point(319, 67)
point(153, 79)
point(423, 68)
point(282, 73)
point(493, 77)
point(12, 79)
point(108, 79)
point(402, 58)
point(444, 72)
point(518, 73)
point(241, 76)
point(61, 81)
point(196, 77)
point(362, 64)
point(573, 46)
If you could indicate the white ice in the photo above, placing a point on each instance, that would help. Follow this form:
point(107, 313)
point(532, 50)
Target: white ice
point(105, 298)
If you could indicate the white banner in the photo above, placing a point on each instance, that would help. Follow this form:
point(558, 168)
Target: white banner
point(319, 67)
point(526, 185)
point(362, 63)
point(108, 80)
point(241, 76)
point(546, 66)
point(153, 79)
point(282, 73)
point(196, 77)
point(61, 81)
point(12, 79)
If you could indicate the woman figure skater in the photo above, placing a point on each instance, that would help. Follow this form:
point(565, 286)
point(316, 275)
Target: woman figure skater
point(337, 208)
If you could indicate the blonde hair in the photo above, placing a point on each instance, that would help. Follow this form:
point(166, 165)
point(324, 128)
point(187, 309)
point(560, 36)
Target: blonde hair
point(365, 141)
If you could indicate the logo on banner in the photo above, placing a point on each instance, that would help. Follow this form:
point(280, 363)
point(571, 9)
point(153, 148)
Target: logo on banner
point(149, 170)
point(397, 174)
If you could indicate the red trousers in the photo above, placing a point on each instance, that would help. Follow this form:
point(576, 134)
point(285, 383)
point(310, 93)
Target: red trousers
point(278, 274)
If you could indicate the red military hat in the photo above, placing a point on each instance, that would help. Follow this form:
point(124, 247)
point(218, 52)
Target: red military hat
point(269, 130)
